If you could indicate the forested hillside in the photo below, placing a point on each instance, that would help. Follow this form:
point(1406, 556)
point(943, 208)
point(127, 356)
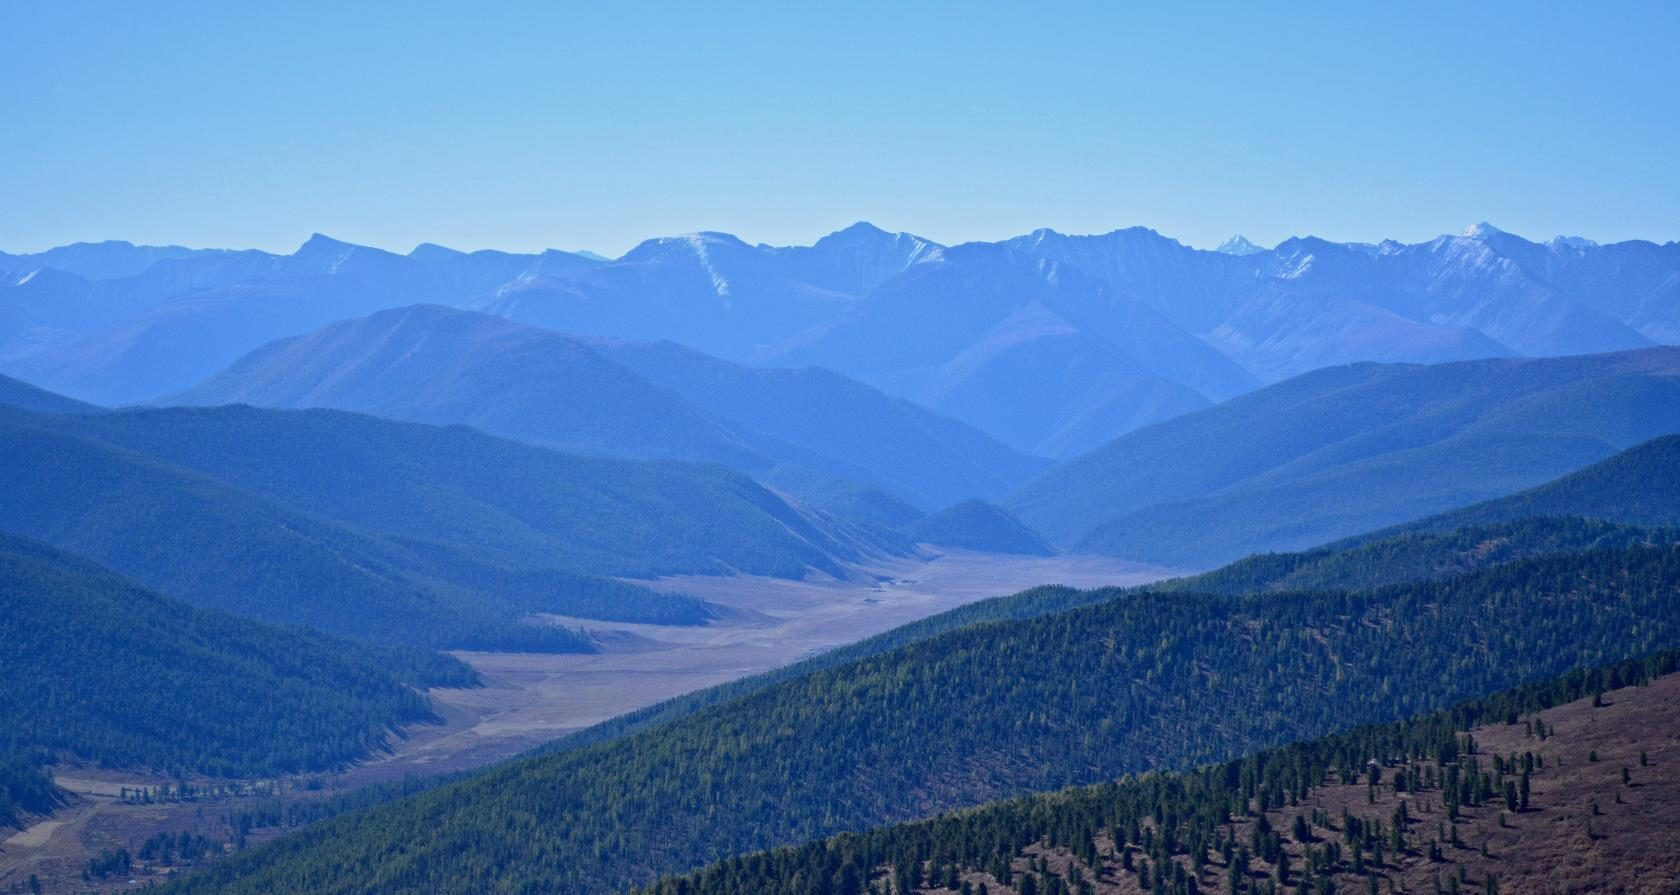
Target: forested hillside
point(217, 546)
point(1482, 796)
point(454, 485)
point(103, 671)
point(1419, 556)
point(420, 534)
point(1346, 450)
point(1639, 486)
point(1145, 681)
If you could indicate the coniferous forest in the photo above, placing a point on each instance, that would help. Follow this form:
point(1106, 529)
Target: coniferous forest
point(1148, 680)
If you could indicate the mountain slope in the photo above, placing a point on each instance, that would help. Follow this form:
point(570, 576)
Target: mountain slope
point(1310, 303)
point(1413, 554)
point(951, 330)
point(394, 531)
point(216, 546)
point(431, 364)
point(98, 260)
point(1639, 486)
point(1347, 450)
point(923, 456)
point(23, 395)
point(1537, 815)
point(1150, 681)
point(710, 291)
point(179, 321)
point(519, 503)
point(123, 677)
point(977, 525)
point(646, 400)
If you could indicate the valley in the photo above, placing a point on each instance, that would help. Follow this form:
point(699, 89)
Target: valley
point(528, 699)
point(801, 449)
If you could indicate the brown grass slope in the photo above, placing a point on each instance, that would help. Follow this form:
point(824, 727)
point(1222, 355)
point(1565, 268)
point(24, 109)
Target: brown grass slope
point(1584, 830)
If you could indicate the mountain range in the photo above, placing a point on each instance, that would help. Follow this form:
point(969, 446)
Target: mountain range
point(649, 400)
point(1341, 451)
point(397, 532)
point(1052, 344)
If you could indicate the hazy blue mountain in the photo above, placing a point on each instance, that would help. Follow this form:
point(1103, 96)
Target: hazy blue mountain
point(1284, 330)
point(1350, 449)
point(710, 291)
point(1309, 302)
point(21, 394)
point(1018, 347)
point(1138, 327)
point(180, 320)
point(646, 400)
point(855, 260)
point(98, 260)
point(432, 364)
point(977, 525)
point(921, 456)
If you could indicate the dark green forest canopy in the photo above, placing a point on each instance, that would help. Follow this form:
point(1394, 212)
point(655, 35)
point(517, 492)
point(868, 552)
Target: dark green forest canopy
point(1417, 556)
point(103, 671)
point(1146, 681)
point(1187, 809)
point(218, 545)
point(1639, 486)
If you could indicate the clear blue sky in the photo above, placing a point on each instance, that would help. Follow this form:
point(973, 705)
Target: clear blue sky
point(593, 126)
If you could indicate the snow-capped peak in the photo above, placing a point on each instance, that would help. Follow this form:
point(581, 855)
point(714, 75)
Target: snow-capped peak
point(1239, 245)
point(1483, 230)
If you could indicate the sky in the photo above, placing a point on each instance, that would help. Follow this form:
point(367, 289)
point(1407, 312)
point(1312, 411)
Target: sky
point(544, 124)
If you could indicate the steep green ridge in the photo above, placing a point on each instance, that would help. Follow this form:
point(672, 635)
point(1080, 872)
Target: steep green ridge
point(1639, 486)
point(101, 670)
point(457, 486)
point(977, 525)
point(1417, 556)
point(435, 536)
point(216, 546)
point(1347, 450)
point(1189, 816)
point(1148, 681)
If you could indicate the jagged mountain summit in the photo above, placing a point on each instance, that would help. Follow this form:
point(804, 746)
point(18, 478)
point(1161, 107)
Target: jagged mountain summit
point(1049, 342)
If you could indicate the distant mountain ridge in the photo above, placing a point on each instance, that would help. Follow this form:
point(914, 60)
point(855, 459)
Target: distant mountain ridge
point(439, 365)
point(1113, 332)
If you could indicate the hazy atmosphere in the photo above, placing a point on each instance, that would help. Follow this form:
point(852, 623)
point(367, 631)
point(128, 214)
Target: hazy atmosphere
point(525, 126)
point(1084, 449)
